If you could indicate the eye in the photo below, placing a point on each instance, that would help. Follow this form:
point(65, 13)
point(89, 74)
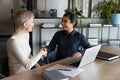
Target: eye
point(65, 21)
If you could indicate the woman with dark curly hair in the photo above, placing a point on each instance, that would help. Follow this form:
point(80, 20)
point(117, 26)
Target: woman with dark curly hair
point(68, 40)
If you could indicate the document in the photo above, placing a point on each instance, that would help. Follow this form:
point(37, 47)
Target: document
point(66, 70)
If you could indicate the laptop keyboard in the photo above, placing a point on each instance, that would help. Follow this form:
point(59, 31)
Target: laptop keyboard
point(76, 63)
point(73, 62)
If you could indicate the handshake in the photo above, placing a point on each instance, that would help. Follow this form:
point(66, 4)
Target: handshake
point(43, 52)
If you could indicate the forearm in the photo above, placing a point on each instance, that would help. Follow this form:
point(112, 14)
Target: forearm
point(77, 55)
point(29, 63)
point(23, 57)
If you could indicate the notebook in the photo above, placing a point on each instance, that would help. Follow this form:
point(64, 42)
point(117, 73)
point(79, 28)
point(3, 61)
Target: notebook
point(54, 75)
point(88, 57)
point(107, 56)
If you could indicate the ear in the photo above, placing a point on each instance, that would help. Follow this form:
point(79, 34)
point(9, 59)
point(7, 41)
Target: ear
point(25, 24)
point(73, 23)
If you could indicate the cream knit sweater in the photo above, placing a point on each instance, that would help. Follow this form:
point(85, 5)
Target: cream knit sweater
point(20, 59)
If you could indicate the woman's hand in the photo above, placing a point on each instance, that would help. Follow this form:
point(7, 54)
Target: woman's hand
point(77, 55)
point(43, 52)
point(37, 65)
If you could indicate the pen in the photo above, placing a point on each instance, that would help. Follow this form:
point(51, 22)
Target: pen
point(65, 69)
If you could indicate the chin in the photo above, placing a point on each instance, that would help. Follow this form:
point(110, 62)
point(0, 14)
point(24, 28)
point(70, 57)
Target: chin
point(65, 29)
point(30, 30)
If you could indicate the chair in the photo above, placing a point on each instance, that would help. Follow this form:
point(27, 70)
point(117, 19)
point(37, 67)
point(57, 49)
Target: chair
point(4, 70)
point(2, 76)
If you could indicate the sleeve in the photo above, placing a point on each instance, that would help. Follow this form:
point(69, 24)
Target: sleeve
point(53, 43)
point(17, 51)
point(84, 42)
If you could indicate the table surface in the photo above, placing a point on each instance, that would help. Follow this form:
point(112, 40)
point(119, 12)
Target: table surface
point(97, 70)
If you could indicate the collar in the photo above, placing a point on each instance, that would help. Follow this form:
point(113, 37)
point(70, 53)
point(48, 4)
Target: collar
point(71, 34)
point(20, 33)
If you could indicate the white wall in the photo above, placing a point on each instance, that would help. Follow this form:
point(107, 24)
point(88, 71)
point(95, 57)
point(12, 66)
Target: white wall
point(41, 5)
point(5, 7)
point(6, 26)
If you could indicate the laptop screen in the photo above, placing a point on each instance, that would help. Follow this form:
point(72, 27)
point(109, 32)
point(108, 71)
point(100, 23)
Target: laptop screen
point(88, 57)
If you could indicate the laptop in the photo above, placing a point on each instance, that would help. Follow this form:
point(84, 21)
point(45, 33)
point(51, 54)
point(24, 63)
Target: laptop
point(107, 56)
point(88, 57)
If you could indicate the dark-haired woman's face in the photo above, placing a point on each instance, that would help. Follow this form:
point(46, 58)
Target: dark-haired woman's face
point(66, 23)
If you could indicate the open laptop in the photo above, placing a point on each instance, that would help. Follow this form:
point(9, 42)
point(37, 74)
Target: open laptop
point(88, 57)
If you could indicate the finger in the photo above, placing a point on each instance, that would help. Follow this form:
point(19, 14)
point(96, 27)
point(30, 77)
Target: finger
point(73, 56)
point(45, 49)
point(44, 55)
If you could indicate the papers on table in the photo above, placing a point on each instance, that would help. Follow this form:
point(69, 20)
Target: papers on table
point(66, 70)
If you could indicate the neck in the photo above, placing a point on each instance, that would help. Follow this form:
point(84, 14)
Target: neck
point(69, 31)
point(21, 28)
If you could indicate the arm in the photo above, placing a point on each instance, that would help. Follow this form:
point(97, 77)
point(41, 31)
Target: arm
point(18, 52)
point(84, 42)
point(77, 55)
point(37, 65)
point(52, 44)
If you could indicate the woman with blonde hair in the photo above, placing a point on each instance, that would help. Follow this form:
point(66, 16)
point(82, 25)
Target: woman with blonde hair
point(19, 51)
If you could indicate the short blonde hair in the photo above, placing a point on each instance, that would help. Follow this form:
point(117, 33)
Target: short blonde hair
point(22, 16)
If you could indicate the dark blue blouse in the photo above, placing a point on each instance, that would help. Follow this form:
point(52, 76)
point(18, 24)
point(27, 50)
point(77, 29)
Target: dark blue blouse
point(67, 44)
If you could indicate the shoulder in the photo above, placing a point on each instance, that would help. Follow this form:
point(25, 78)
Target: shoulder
point(13, 42)
point(78, 34)
point(59, 32)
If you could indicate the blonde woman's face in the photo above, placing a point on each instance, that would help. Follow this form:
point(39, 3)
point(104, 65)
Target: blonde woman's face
point(29, 24)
